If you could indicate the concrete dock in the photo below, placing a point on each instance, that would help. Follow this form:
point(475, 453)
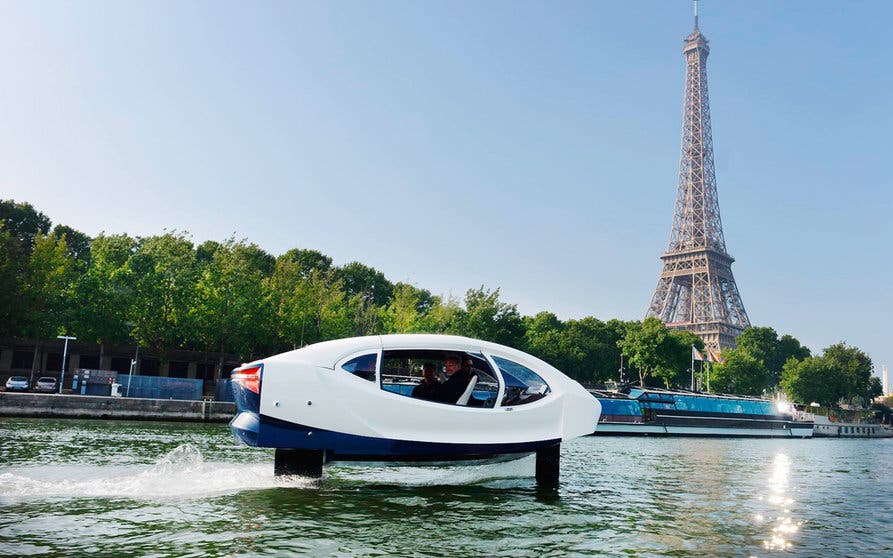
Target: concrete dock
point(126, 408)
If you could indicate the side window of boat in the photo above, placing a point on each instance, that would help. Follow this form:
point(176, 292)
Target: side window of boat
point(403, 373)
point(363, 366)
point(522, 385)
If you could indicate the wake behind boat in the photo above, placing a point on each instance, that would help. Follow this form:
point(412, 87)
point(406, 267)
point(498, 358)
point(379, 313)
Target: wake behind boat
point(659, 412)
point(378, 399)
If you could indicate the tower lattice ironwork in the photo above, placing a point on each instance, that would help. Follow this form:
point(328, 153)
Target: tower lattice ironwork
point(696, 290)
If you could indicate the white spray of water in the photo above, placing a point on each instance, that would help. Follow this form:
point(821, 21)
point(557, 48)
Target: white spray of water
point(182, 473)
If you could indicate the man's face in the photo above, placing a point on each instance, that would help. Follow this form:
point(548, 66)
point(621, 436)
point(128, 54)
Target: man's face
point(428, 372)
point(452, 366)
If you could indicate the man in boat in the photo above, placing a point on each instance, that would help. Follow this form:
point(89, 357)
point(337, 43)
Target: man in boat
point(429, 385)
point(457, 379)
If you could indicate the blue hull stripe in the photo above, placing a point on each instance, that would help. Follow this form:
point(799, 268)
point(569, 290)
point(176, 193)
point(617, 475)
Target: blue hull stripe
point(267, 432)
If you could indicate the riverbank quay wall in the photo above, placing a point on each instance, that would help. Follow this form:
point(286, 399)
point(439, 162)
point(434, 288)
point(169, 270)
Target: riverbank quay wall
point(37, 405)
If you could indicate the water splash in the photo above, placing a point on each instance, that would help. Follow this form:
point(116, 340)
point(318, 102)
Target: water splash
point(181, 473)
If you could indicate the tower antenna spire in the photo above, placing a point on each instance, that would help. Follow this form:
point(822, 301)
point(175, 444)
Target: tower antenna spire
point(696, 15)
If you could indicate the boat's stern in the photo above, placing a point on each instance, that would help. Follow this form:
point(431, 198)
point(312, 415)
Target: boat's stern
point(246, 385)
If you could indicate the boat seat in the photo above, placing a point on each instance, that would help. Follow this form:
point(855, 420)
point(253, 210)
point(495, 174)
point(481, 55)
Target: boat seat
point(466, 395)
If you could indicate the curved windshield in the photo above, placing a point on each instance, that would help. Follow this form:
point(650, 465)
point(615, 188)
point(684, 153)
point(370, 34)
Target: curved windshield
point(522, 385)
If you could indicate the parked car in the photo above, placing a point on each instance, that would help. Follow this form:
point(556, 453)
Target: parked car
point(46, 384)
point(17, 383)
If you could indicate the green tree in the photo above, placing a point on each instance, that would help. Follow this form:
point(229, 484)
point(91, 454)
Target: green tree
point(444, 317)
point(856, 368)
point(10, 286)
point(78, 245)
point(163, 275)
point(813, 379)
point(24, 223)
point(763, 344)
point(490, 319)
point(103, 295)
point(676, 349)
point(875, 388)
point(404, 314)
point(741, 374)
point(45, 291)
point(46, 287)
point(590, 344)
point(307, 308)
point(643, 344)
point(788, 347)
point(368, 282)
point(231, 311)
point(308, 261)
point(544, 339)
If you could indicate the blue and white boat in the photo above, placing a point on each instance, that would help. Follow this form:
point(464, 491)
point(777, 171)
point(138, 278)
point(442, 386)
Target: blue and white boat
point(659, 412)
point(351, 400)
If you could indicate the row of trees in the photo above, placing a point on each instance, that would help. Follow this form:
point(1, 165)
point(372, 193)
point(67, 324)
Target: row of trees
point(165, 293)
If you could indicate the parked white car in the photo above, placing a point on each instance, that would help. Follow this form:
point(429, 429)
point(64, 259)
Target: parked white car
point(46, 384)
point(17, 383)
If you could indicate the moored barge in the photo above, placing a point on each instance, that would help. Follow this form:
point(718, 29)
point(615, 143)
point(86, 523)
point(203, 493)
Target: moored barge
point(659, 412)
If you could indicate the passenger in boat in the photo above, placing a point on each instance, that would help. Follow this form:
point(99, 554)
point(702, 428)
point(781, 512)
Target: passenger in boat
point(427, 389)
point(457, 379)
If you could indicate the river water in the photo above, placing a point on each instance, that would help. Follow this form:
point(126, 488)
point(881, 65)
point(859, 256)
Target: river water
point(112, 488)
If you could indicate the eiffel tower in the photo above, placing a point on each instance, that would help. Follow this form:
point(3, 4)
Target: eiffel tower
point(696, 290)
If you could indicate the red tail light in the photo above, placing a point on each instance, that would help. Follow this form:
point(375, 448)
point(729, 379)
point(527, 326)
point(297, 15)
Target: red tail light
point(248, 378)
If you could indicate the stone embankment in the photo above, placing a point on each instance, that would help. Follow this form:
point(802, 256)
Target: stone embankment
point(125, 408)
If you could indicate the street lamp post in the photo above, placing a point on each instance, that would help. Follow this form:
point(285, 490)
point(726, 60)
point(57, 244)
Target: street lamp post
point(64, 355)
point(133, 362)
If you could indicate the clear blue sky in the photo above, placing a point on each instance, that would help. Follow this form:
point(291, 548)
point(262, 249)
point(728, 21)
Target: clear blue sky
point(531, 146)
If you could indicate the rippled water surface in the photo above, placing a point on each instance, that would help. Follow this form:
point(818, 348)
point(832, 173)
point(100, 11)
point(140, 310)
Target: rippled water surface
point(107, 488)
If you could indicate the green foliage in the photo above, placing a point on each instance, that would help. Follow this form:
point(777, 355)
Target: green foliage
point(444, 317)
point(103, 295)
point(741, 374)
point(763, 344)
point(813, 379)
point(10, 288)
point(308, 261)
point(367, 282)
point(875, 388)
point(841, 373)
point(24, 223)
point(642, 346)
point(584, 349)
point(676, 370)
point(230, 311)
point(856, 368)
point(307, 306)
point(163, 274)
point(490, 319)
point(47, 283)
point(78, 245)
point(403, 314)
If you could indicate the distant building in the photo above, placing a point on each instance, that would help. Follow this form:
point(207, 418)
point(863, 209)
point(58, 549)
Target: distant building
point(885, 380)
